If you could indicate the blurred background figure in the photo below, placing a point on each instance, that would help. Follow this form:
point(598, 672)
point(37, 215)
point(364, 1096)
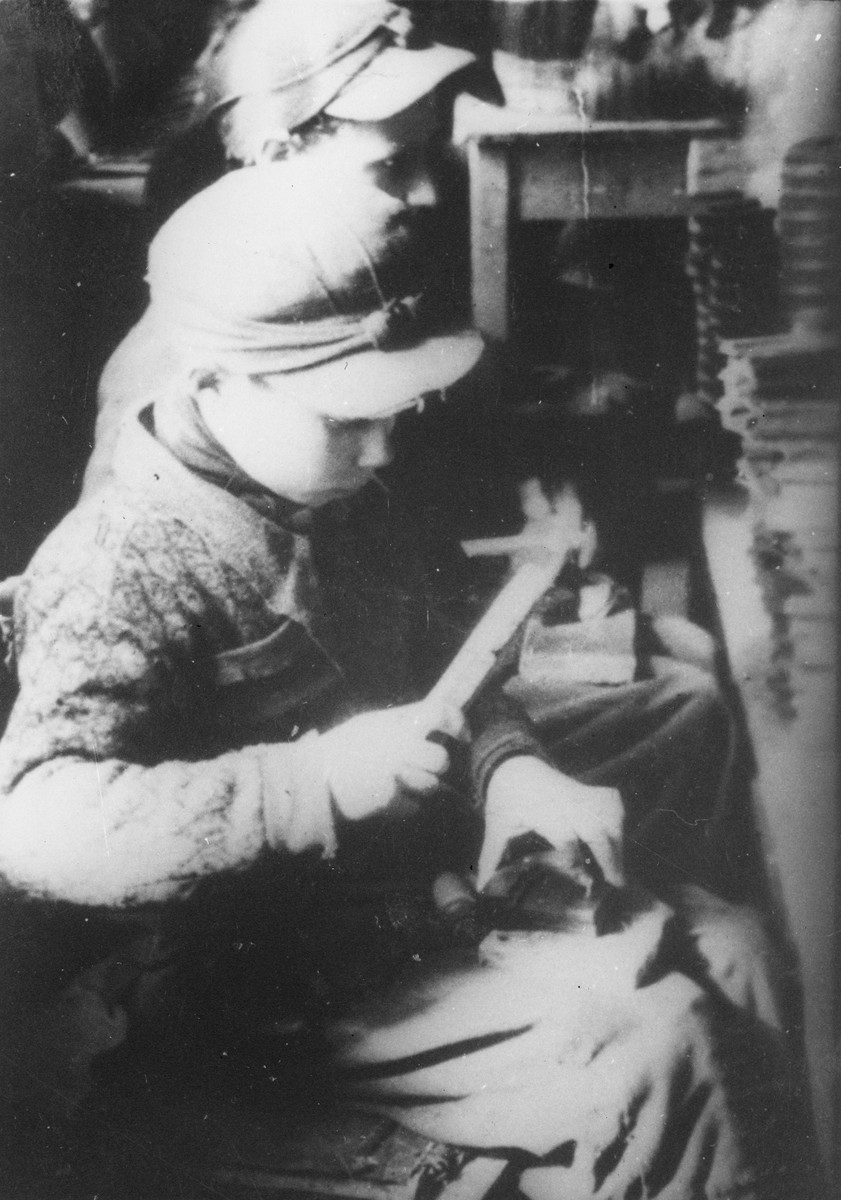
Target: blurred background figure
point(272, 81)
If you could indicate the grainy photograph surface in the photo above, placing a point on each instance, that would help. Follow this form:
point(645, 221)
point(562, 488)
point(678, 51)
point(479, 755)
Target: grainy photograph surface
point(418, 559)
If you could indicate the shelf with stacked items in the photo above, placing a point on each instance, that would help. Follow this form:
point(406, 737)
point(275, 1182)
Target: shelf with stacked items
point(781, 396)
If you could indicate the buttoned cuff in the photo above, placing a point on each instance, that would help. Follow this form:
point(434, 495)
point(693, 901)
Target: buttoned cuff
point(500, 730)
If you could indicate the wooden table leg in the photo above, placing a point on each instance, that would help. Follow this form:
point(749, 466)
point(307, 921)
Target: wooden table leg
point(490, 215)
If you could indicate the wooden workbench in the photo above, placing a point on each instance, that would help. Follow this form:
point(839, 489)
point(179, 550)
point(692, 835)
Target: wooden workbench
point(539, 167)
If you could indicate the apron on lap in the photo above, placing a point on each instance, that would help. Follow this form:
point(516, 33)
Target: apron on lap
point(602, 1062)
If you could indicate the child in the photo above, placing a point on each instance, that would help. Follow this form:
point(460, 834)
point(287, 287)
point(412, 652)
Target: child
point(214, 560)
point(217, 653)
point(221, 653)
point(222, 657)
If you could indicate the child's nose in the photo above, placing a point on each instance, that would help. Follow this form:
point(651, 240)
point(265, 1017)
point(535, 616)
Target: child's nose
point(421, 190)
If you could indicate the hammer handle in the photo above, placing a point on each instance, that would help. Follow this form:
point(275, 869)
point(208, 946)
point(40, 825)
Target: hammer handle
point(477, 657)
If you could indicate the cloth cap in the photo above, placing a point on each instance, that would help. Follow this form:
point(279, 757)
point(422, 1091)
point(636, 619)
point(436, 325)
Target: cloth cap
point(262, 273)
point(347, 60)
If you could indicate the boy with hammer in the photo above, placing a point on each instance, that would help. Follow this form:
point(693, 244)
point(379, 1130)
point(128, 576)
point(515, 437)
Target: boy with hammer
point(223, 654)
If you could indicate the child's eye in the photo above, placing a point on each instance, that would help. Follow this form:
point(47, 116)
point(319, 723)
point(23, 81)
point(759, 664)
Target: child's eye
point(393, 166)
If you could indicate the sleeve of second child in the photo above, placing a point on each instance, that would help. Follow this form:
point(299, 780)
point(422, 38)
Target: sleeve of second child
point(523, 792)
point(500, 729)
point(102, 800)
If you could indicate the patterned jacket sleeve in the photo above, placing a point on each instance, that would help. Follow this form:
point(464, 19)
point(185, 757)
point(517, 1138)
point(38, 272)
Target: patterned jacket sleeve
point(91, 810)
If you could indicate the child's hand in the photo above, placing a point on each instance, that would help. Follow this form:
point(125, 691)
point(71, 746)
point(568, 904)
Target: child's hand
point(527, 795)
point(373, 758)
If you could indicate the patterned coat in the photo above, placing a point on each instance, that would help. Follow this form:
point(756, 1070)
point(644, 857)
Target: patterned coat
point(177, 653)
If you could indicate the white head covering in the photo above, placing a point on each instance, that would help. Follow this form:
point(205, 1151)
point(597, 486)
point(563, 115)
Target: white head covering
point(349, 58)
point(254, 277)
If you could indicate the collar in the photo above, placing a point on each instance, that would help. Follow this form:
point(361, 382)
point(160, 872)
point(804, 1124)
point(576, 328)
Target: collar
point(176, 421)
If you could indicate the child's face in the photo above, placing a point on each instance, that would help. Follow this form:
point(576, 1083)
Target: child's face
point(403, 155)
point(289, 448)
